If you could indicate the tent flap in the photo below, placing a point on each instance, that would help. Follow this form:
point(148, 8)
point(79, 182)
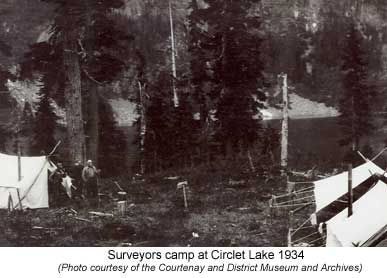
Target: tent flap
point(329, 211)
point(368, 223)
point(330, 189)
point(368, 219)
point(33, 187)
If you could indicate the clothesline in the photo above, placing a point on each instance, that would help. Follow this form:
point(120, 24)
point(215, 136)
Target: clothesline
point(313, 241)
point(305, 237)
point(295, 205)
point(294, 200)
point(305, 190)
point(300, 227)
point(301, 182)
point(304, 228)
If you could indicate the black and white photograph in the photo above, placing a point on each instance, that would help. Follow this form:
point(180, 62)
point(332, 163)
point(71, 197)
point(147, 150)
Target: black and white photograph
point(193, 123)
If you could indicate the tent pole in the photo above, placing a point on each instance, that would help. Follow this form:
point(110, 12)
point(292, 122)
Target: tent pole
point(350, 191)
point(20, 201)
point(53, 151)
point(283, 78)
point(19, 173)
point(173, 47)
point(290, 231)
point(363, 157)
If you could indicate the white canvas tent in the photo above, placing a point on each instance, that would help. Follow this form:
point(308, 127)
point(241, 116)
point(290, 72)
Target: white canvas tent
point(33, 186)
point(368, 219)
point(330, 189)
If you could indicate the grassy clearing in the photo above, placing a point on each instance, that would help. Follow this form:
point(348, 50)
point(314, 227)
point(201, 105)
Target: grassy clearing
point(221, 213)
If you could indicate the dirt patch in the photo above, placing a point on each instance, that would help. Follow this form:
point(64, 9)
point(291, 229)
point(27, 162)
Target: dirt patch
point(229, 213)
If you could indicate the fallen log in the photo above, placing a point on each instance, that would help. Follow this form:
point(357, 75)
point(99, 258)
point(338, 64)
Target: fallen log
point(101, 214)
point(83, 219)
point(43, 228)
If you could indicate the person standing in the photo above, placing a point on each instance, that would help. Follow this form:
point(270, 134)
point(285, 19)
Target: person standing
point(55, 180)
point(76, 174)
point(90, 179)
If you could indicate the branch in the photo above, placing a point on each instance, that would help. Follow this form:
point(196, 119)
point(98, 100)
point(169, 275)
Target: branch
point(83, 52)
point(53, 151)
point(91, 78)
point(174, 78)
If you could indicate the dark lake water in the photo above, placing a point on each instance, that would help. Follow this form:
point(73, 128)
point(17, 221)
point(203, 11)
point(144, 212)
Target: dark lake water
point(315, 142)
point(312, 142)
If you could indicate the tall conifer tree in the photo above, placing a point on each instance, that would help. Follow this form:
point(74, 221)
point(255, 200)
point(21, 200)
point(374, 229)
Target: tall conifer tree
point(355, 103)
point(230, 38)
point(84, 52)
point(113, 143)
point(44, 126)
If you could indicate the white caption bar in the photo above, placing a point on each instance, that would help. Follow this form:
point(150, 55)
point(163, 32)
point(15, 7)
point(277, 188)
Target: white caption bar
point(193, 262)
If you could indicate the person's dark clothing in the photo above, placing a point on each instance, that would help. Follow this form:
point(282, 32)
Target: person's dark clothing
point(76, 175)
point(90, 178)
point(55, 184)
point(92, 187)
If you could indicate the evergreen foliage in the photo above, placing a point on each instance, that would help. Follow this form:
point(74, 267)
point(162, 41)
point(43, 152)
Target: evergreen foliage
point(225, 71)
point(226, 50)
point(112, 143)
point(100, 45)
point(100, 48)
point(45, 125)
point(4, 76)
point(225, 37)
point(3, 135)
point(159, 138)
point(355, 103)
point(26, 120)
point(185, 133)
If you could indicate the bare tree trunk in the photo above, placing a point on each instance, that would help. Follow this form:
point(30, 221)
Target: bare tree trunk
point(174, 74)
point(73, 98)
point(285, 123)
point(93, 97)
point(251, 163)
point(93, 123)
point(355, 139)
point(155, 164)
point(205, 127)
point(230, 153)
point(142, 127)
point(229, 150)
point(359, 8)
